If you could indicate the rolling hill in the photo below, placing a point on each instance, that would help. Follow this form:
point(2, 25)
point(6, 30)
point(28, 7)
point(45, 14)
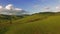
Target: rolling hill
point(39, 23)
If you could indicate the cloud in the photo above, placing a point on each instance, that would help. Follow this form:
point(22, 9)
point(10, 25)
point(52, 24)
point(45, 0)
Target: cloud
point(18, 9)
point(52, 9)
point(36, 8)
point(9, 7)
point(46, 9)
point(11, 10)
point(58, 7)
point(1, 7)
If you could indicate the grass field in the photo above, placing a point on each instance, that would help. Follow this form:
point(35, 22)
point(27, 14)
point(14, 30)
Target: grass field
point(34, 24)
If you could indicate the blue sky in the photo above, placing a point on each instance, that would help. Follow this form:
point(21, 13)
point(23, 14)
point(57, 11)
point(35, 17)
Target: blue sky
point(32, 5)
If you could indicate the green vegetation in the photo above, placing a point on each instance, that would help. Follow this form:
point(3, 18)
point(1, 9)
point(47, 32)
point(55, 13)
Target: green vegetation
point(39, 23)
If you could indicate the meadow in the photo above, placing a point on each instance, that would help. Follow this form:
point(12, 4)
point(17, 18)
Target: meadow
point(39, 23)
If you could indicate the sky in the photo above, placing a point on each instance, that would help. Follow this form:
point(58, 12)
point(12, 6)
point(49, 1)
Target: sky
point(33, 6)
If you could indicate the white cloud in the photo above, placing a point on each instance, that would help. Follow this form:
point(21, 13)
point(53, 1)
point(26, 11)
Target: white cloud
point(1, 7)
point(47, 9)
point(58, 7)
point(18, 9)
point(10, 9)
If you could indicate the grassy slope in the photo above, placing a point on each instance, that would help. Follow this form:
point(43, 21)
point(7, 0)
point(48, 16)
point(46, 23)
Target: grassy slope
point(50, 25)
point(31, 19)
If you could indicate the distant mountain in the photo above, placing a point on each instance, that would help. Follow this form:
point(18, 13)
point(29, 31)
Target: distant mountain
point(13, 12)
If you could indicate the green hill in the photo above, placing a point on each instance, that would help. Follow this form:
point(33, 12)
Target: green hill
point(40, 23)
point(51, 25)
